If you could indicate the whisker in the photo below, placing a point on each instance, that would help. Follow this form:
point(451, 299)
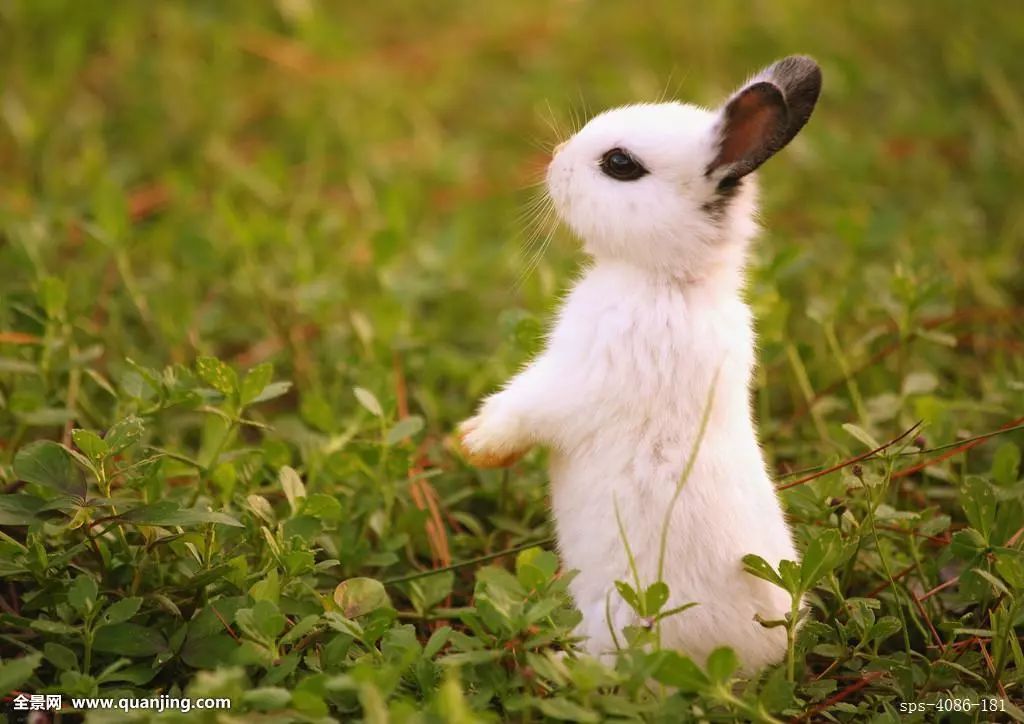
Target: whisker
point(547, 227)
point(536, 225)
point(534, 185)
point(535, 201)
point(552, 121)
point(537, 229)
point(585, 110)
point(574, 120)
point(537, 173)
point(668, 82)
point(531, 213)
point(537, 197)
point(536, 260)
point(545, 147)
point(679, 85)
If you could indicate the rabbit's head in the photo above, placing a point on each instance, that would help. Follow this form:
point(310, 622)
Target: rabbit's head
point(666, 185)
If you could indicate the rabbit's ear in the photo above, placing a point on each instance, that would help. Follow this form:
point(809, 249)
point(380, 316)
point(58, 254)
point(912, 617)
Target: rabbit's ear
point(764, 116)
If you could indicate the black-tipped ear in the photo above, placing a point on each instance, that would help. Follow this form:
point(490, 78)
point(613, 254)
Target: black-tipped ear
point(765, 115)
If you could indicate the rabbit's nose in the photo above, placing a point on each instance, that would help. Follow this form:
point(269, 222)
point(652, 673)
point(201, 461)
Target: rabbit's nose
point(558, 149)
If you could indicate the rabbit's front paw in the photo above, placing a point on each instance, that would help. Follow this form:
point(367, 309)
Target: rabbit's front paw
point(490, 441)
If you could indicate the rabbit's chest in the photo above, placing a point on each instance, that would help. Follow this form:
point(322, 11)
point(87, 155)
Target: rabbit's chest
point(643, 362)
point(657, 342)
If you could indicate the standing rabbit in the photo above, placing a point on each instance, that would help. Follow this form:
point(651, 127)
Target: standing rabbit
point(655, 334)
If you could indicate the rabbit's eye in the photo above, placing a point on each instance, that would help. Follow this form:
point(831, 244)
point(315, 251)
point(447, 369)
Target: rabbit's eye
point(618, 164)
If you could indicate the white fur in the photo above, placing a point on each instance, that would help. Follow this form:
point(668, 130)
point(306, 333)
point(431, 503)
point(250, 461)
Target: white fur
point(619, 391)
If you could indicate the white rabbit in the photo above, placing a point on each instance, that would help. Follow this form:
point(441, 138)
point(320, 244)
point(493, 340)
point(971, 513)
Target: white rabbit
point(661, 196)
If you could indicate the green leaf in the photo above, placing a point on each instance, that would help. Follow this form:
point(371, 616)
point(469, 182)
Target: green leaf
point(452, 703)
point(121, 610)
point(758, 566)
point(266, 698)
point(542, 609)
point(979, 503)
point(400, 645)
point(997, 585)
point(777, 693)
point(225, 477)
point(680, 671)
point(139, 674)
point(1006, 464)
point(1010, 565)
point(722, 663)
point(566, 710)
point(428, 592)
point(629, 595)
point(208, 652)
point(82, 594)
point(359, 596)
point(967, 543)
point(790, 573)
point(271, 540)
point(863, 435)
point(302, 627)
point(297, 562)
point(436, 641)
point(368, 400)
point(62, 658)
point(47, 463)
point(375, 708)
point(535, 567)
point(89, 443)
point(169, 513)
point(821, 557)
point(268, 588)
point(655, 597)
point(123, 434)
point(470, 658)
point(406, 427)
point(15, 672)
point(19, 508)
point(128, 639)
point(140, 382)
point(292, 486)
point(282, 668)
point(53, 296)
point(883, 628)
point(217, 375)
point(934, 525)
point(1013, 711)
point(262, 621)
point(323, 507)
point(54, 627)
point(318, 412)
point(255, 382)
point(272, 391)
point(262, 508)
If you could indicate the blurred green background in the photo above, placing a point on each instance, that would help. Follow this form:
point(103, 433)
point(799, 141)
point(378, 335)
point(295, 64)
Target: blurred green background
point(317, 182)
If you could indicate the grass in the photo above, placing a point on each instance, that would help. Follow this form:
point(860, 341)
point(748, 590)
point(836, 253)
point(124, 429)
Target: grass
point(259, 258)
